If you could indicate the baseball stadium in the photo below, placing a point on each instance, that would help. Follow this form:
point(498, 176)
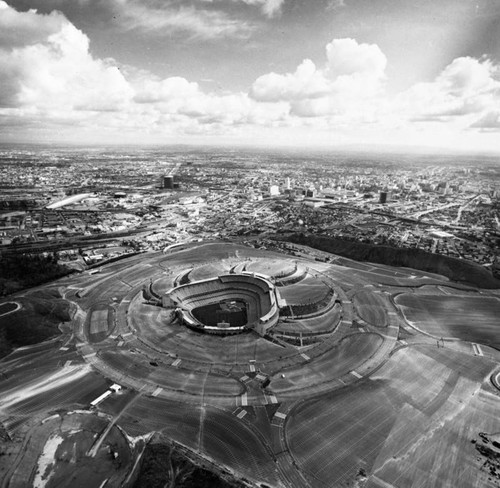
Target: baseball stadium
point(227, 304)
point(289, 368)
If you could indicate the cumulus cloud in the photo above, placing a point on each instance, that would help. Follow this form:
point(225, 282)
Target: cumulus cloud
point(345, 57)
point(149, 89)
point(352, 73)
point(467, 86)
point(348, 93)
point(306, 82)
point(17, 29)
point(55, 68)
point(490, 121)
point(468, 76)
point(53, 81)
point(50, 83)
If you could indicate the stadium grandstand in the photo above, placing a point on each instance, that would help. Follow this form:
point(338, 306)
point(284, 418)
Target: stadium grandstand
point(227, 304)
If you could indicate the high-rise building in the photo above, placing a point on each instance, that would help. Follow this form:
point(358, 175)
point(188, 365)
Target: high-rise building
point(168, 182)
point(274, 190)
point(287, 183)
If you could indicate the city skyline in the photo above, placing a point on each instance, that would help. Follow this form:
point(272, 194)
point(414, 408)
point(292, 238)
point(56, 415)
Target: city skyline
point(252, 72)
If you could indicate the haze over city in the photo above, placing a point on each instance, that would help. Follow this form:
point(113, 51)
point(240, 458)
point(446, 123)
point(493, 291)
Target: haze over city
point(419, 74)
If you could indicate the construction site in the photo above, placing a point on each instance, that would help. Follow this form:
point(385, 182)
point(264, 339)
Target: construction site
point(268, 369)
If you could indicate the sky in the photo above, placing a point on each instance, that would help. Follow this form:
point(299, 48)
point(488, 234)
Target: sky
point(309, 73)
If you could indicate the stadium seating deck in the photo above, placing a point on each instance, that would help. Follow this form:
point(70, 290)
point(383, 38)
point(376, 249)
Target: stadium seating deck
point(256, 291)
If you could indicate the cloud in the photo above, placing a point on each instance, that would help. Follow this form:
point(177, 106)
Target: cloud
point(335, 4)
point(17, 29)
point(54, 68)
point(167, 18)
point(52, 86)
point(149, 89)
point(468, 76)
point(270, 8)
point(345, 57)
point(467, 86)
point(351, 75)
point(490, 121)
point(305, 82)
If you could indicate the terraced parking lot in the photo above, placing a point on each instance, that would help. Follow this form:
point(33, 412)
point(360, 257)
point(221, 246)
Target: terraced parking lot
point(468, 318)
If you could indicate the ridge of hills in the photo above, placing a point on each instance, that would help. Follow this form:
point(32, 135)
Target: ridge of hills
point(459, 270)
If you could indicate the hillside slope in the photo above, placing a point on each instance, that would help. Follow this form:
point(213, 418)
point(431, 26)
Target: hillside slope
point(455, 269)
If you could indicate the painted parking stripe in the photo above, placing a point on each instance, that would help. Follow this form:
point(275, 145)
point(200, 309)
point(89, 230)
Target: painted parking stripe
point(272, 399)
point(157, 391)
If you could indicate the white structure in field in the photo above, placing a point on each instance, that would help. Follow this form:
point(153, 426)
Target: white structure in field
point(114, 388)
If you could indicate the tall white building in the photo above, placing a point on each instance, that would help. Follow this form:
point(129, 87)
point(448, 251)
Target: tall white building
point(274, 190)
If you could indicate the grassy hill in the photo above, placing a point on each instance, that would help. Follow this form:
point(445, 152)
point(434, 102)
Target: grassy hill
point(36, 321)
point(162, 466)
point(21, 271)
point(455, 269)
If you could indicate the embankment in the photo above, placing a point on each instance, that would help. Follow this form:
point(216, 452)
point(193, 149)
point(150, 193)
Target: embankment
point(459, 270)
